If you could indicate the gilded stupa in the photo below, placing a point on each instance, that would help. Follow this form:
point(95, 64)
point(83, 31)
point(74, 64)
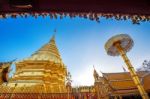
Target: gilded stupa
point(42, 72)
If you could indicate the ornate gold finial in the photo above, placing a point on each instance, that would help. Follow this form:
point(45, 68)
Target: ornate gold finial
point(53, 37)
point(55, 31)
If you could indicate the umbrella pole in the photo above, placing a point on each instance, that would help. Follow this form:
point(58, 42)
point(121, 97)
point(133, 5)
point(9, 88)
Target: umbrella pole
point(132, 71)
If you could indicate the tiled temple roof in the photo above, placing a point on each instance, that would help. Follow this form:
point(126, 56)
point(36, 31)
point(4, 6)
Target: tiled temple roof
point(122, 82)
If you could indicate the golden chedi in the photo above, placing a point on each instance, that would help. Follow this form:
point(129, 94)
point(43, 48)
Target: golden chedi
point(42, 72)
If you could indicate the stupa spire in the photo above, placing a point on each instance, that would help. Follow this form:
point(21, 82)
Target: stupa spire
point(53, 37)
point(49, 51)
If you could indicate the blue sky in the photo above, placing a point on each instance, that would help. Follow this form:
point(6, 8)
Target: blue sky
point(80, 42)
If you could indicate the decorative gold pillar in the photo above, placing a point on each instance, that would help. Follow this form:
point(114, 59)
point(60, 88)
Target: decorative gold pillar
point(120, 45)
point(132, 71)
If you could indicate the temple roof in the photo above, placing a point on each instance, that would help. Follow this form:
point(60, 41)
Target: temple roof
point(98, 6)
point(48, 52)
point(122, 83)
point(136, 10)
